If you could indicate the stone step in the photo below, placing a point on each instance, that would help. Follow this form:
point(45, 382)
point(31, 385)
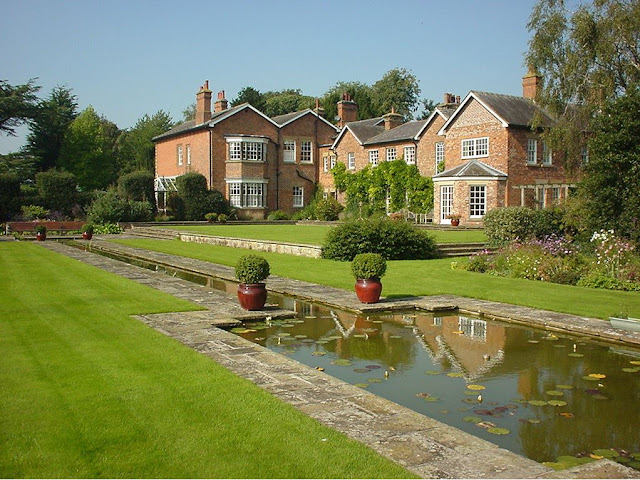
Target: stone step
point(153, 233)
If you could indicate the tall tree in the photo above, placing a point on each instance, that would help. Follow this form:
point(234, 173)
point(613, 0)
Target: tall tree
point(189, 113)
point(397, 89)
point(17, 105)
point(251, 96)
point(136, 150)
point(428, 106)
point(587, 56)
point(286, 101)
point(88, 151)
point(47, 129)
point(359, 92)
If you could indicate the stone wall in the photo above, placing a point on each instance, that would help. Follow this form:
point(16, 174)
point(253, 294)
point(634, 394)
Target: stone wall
point(300, 250)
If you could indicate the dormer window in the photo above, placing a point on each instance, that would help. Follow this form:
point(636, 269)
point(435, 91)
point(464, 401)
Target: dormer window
point(475, 147)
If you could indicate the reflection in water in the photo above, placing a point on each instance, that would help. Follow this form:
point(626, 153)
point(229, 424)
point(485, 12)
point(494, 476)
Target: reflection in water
point(472, 373)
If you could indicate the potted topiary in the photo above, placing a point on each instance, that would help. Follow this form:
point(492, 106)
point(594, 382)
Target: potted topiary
point(87, 231)
point(222, 218)
point(455, 219)
point(368, 268)
point(251, 271)
point(41, 233)
point(211, 217)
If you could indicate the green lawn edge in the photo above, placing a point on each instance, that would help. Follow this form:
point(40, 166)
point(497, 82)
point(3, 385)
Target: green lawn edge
point(311, 234)
point(420, 277)
point(90, 392)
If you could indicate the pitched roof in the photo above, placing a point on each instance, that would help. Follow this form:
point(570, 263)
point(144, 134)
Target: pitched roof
point(473, 169)
point(510, 110)
point(444, 112)
point(283, 120)
point(406, 131)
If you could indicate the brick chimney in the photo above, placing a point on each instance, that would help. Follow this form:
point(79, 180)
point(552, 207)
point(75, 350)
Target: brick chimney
point(347, 110)
point(392, 120)
point(319, 110)
point(221, 103)
point(203, 104)
point(531, 83)
point(451, 100)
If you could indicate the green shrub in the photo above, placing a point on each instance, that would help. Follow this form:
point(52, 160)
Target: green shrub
point(222, 218)
point(191, 185)
point(109, 207)
point(278, 215)
point(210, 201)
point(597, 279)
point(392, 240)
point(88, 228)
point(211, 217)
point(506, 224)
point(107, 229)
point(368, 265)
point(9, 195)
point(137, 186)
point(34, 212)
point(328, 209)
point(252, 269)
point(480, 263)
point(57, 190)
point(41, 229)
point(175, 206)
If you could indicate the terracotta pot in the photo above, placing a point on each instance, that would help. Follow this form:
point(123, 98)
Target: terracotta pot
point(455, 222)
point(87, 236)
point(252, 296)
point(41, 237)
point(368, 290)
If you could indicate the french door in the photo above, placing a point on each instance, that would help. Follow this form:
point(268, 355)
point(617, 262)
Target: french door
point(446, 203)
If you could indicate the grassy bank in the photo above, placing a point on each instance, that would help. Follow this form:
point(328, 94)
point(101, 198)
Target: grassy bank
point(89, 392)
point(313, 234)
point(423, 277)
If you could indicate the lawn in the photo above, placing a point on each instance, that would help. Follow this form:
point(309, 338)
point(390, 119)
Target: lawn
point(422, 277)
point(89, 392)
point(312, 234)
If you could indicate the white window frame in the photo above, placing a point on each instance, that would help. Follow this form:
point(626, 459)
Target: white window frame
point(555, 194)
point(180, 155)
point(242, 149)
point(374, 157)
point(532, 151)
point(439, 157)
point(247, 194)
point(547, 156)
point(325, 164)
point(298, 197)
point(477, 201)
point(446, 203)
point(306, 151)
point(391, 154)
point(410, 154)
point(188, 154)
point(289, 151)
point(475, 147)
point(351, 161)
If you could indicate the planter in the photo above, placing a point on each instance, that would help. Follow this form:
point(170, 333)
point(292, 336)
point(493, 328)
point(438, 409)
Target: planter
point(87, 236)
point(368, 290)
point(631, 324)
point(455, 222)
point(41, 237)
point(252, 296)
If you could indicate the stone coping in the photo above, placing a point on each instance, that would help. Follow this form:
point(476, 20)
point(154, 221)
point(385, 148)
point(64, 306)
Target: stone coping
point(423, 445)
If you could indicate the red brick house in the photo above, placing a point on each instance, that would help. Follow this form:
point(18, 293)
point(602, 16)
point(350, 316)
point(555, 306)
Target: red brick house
point(493, 157)
point(260, 164)
point(369, 142)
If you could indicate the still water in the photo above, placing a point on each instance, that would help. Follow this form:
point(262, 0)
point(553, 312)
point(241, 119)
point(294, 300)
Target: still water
point(538, 394)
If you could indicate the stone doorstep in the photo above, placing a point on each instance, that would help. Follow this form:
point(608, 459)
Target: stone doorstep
point(423, 445)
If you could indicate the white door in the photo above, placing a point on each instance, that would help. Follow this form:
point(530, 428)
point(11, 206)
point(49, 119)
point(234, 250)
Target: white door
point(446, 203)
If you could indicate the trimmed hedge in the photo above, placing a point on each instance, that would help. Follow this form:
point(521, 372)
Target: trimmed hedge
point(392, 240)
point(57, 190)
point(505, 224)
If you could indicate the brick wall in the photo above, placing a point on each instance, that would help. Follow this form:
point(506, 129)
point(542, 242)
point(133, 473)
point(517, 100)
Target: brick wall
point(426, 151)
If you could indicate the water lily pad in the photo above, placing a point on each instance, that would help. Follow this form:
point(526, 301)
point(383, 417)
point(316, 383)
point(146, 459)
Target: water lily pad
point(577, 355)
point(241, 330)
point(359, 336)
point(372, 367)
point(483, 411)
point(564, 387)
point(395, 336)
point(605, 452)
point(470, 392)
point(374, 380)
point(567, 414)
point(599, 376)
point(589, 378)
point(471, 400)
point(623, 460)
point(310, 316)
point(551, 337)
point(343, 362)
point(476, 387)
point(555, 393)
point(555, 465)
point(431, 399)
point(433, 372)
point(634, 464)
point(498, 431)
point(287, 325)
point(361, 385)
point(301, 336)
point(634, 362)
point(464, 409)
point(533, 341)
point(534, 421)
point(631, 370)
point(472, 419)
point(538, 403)
point(319, 354)
point(322, 342)
point(557, 403)
point(455, 374)
point(635, 455)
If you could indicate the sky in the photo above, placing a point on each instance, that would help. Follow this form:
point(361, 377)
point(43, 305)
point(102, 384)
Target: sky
point(128, 58)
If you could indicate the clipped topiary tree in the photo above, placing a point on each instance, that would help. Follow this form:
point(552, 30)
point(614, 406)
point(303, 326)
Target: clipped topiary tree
point(198, 200)
point(137, 186)
point(57, 190)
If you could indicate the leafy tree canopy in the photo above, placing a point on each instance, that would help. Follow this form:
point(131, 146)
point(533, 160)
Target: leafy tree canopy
point(286, 101)
point(251, 96)
point(136, 151)
point(48, 127)
point(397, 89)
point(17, 105)
point(359, 92)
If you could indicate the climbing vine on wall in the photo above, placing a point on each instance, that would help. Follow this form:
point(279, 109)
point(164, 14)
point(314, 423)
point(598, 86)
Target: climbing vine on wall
point(369, 189)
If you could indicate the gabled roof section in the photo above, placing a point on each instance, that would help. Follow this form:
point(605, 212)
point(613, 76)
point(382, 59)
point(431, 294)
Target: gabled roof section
point(473, 170)
point(216, 118)
point(287, 118)
point(362, 130)
point(443, 112)
point(509, 110)
point(406, 131)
